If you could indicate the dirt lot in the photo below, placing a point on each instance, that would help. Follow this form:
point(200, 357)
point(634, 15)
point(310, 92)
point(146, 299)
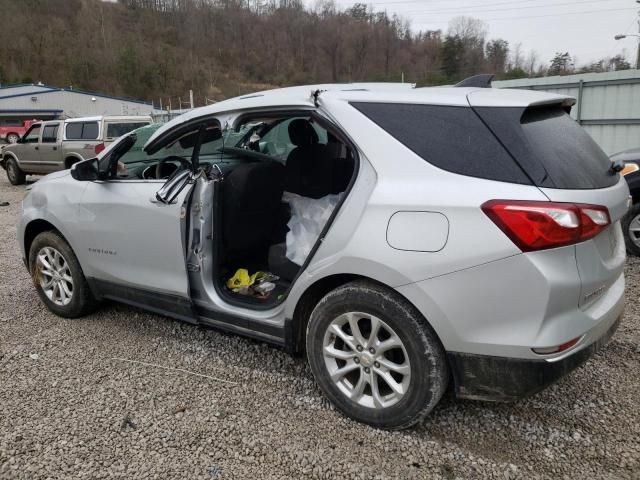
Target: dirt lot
point(71, 406)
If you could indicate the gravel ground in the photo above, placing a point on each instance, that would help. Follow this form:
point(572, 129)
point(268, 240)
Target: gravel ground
point(72, 407)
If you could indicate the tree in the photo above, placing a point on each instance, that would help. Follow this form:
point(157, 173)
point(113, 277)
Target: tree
point(497, 54)
point(561, 64)
point(619, 63)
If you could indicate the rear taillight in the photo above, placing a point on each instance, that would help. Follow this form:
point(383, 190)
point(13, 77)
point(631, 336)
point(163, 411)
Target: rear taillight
point(535, 225)
point(99, 147)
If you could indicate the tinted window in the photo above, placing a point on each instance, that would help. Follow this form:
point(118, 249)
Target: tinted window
point(554, 150)
point(74, 131)
point(451, 138)
point(82, 131)
point(115, 130)
point(90, 131)
point(50, 134)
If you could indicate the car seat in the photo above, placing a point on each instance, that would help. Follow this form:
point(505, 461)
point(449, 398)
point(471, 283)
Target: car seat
point(251, 197)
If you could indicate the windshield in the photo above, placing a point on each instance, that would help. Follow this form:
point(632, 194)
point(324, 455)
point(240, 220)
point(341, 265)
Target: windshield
point(182, 149)
point(134, 162)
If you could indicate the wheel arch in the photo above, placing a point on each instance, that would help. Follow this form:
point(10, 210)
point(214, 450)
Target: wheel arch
point(70, 159)
point(36, 227)
point(313, 294)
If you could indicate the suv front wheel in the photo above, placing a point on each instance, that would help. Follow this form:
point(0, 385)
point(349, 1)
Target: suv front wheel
point(375, 357)
point(15, 175)
point(58, 277)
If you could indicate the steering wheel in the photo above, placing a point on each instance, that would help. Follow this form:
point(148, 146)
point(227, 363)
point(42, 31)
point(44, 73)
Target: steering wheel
point(171, 158)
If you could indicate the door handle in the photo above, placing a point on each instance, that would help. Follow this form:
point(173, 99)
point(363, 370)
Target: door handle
point(55, 148)
point(37, 148)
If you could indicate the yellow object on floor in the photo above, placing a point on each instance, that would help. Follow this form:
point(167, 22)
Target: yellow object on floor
point(242, 278)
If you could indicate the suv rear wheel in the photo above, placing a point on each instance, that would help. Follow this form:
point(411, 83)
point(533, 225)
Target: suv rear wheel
point(58, 277)
point(14, 174)
point(631, 229)
point(13, 138)
point(375, 357)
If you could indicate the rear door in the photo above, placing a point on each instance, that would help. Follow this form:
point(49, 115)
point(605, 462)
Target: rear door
point(568, 166)
point(50, 154)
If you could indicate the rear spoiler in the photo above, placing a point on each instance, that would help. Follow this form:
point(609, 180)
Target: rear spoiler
point(478, 81)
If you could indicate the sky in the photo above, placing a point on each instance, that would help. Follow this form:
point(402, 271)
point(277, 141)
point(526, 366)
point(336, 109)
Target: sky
point(584, 28)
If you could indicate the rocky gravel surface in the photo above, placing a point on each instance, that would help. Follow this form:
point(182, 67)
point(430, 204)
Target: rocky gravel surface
point(73, 404)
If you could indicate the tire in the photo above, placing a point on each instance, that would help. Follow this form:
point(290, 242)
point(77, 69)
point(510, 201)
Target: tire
point(15, 175)
point(13, 138)
point(79, 300)
point(364, 304)
point(631, 230)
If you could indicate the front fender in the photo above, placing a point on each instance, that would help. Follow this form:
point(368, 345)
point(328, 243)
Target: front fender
point(5, 157)
point(54, 200)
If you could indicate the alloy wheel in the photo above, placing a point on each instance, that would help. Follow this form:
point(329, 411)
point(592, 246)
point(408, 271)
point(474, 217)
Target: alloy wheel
point(366, 360)
point(54, 275)
point(634, 230)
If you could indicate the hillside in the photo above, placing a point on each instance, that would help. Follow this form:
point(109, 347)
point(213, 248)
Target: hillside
point(152, 49)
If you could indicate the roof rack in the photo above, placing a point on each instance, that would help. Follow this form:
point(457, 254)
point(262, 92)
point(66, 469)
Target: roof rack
point(479, 81)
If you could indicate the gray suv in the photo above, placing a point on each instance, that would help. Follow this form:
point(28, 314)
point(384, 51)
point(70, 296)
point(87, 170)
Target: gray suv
point(406, 240)
point(57, 144)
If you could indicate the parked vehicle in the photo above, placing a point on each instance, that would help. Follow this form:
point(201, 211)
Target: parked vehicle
point(405, 239)
point(57, 144)
point(11, 131)
point(631, 221)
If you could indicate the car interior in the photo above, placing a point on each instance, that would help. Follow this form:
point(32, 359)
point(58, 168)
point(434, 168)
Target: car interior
point(264, 165)
point(292, 156)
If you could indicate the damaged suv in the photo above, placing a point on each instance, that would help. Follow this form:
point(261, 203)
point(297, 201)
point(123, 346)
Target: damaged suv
point(406, 239)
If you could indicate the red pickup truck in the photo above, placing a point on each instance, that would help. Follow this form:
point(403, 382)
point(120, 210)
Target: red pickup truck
point(12, 132)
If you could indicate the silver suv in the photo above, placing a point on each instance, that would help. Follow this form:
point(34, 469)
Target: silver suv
point(57, 144)
point(405, 239)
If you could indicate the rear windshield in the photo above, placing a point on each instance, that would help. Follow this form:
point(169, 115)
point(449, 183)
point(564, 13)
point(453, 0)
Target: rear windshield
point(551, 147)
point(451, 138)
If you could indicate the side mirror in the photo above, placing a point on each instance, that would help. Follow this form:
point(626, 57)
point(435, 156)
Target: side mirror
point(86, 171)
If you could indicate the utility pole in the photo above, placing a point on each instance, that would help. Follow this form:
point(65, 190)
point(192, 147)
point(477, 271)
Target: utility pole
point(191, 98)
point(638, 53)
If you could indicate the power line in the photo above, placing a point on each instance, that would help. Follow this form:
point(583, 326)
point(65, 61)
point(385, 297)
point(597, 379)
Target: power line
point(583, 12)
point(448, 11)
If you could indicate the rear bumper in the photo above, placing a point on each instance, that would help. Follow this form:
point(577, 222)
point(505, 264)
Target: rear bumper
point(483, 377)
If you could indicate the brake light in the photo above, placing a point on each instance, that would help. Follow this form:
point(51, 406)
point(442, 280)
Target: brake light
point(99, 147)
point(535, 225)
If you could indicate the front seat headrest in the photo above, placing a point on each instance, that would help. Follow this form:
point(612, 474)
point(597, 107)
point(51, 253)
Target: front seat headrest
point(302, 133)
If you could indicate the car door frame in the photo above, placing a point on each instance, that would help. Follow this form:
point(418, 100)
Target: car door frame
point(47, 148)
point(174, 303)
point(24, 150)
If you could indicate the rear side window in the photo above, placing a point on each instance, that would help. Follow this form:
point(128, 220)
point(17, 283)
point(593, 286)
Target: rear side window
point(82, 131)
point(551, 147)
point(451, 138)
point(115, 130)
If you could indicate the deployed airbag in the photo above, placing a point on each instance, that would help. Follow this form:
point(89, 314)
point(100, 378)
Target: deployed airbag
point(308, 218)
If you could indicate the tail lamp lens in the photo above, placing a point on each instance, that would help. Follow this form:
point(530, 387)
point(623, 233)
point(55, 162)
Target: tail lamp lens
point(533, 225)
point(99, 147)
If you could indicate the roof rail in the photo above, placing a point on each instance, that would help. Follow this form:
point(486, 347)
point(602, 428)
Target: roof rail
point(480, 81)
